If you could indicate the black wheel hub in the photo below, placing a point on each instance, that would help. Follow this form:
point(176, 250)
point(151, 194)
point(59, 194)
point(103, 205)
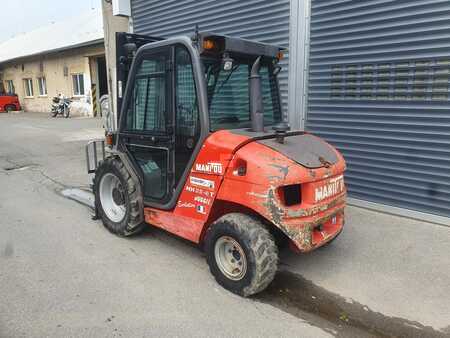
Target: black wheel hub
point(236, 254)
point(118, 197)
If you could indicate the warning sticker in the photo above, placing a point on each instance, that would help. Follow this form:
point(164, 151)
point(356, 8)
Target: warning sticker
point(201, 182)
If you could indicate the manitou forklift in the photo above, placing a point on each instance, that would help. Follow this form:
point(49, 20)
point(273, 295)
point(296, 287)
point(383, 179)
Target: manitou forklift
point(202, 151)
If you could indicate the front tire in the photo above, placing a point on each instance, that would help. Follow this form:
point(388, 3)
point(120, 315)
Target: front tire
point(241, 254)
point(10, 108)
point(117, 199)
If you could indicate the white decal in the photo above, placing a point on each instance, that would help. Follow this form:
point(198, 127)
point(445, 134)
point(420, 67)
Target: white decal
point(331, 188)
point(190, 189)
point(201, 182)
point(210, 167)
point(185, 204)
point(201, 209)
point(199, 191)
point(203, 200)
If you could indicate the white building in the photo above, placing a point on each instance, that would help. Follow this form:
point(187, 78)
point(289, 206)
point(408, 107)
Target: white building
point(66, 57)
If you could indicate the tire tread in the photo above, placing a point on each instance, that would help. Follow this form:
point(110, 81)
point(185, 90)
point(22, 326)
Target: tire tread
point(259, 240)
point(134, 223)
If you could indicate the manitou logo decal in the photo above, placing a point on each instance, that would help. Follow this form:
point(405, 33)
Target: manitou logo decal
point(209, 168)
point(332, 187)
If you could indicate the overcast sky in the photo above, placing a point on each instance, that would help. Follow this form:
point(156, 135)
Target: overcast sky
point(26, 15)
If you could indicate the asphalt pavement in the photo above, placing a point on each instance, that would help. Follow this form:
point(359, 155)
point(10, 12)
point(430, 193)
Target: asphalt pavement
point(63, 274)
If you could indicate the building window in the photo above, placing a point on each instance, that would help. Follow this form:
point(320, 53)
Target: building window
point(10, 87)
point(28, 84)
point(409, 80)
point(78, 84)
point(42, 86)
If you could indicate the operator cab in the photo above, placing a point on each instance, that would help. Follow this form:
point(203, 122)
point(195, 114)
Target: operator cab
point(178, 91)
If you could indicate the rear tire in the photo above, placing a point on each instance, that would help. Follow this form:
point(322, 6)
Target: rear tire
point(241, 254)
point(66, 113)
point(117, 199)
point(10, 108)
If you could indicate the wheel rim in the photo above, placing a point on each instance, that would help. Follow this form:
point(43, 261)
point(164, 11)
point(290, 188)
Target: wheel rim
point(112, 197)
point(230, 258)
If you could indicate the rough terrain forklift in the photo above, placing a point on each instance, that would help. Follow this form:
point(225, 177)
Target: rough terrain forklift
point(202, 151)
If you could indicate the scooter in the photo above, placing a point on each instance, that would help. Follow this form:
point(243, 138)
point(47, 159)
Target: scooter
point(61, 106)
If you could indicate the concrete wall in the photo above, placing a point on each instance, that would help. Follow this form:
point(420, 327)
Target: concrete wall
point(111, 25)
point(53, 65)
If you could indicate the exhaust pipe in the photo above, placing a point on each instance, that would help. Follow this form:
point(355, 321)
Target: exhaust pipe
point(256, 102)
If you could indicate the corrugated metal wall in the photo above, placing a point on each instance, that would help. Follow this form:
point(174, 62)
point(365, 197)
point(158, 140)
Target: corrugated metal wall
point(261, 20)
point(379, 91)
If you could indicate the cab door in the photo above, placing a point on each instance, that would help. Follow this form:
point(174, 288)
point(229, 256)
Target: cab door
point(160, 126)
point(146, 131)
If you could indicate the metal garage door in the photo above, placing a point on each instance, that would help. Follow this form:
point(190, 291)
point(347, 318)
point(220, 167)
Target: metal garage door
point(261, 20)
point(379, 90)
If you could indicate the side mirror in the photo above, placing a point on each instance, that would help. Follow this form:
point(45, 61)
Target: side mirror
point(130, 48)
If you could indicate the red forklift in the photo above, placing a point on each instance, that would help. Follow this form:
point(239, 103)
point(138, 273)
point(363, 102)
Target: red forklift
point(203, 151)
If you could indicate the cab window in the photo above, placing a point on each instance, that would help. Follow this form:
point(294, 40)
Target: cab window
point(147, 109)
point(229, 95)
point(187, 120)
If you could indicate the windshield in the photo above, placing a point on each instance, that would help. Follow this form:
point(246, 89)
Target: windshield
point(229, 94)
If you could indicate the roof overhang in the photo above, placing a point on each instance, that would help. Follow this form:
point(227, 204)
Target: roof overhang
point(52, 51)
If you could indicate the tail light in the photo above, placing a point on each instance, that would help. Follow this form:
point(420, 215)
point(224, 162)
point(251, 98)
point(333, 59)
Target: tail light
point(240, 167)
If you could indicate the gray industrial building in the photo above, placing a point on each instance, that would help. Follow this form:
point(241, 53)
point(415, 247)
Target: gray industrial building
point(371, 77)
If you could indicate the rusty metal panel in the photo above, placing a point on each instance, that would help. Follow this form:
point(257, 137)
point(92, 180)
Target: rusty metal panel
point(261, 20)
point(379, 75)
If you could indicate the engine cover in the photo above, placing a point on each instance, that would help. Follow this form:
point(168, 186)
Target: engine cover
point(305, 149)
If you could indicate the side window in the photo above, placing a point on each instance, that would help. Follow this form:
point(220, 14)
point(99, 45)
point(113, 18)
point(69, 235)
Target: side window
point(187, 112)
point(147, 109)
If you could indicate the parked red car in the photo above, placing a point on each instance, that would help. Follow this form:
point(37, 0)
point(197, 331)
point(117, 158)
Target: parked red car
point(9, 102)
